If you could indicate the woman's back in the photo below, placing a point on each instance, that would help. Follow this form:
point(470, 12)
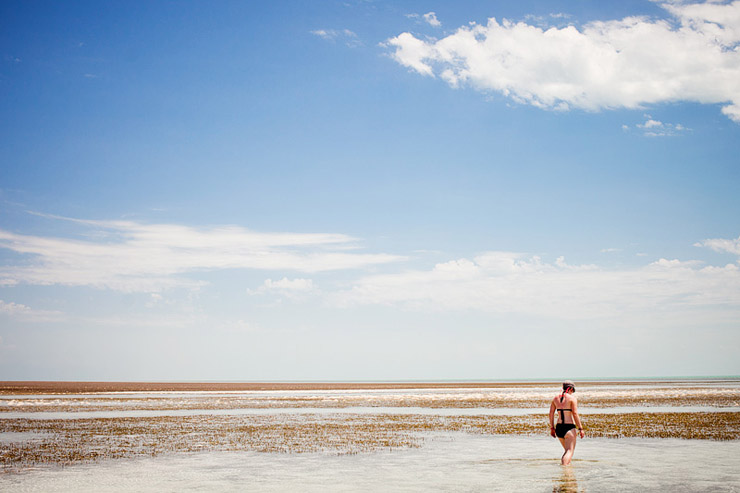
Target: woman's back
point(564, 407)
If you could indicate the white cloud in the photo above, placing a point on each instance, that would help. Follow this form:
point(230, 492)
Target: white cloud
point(656, 128)
point(430, 18)
point(722, 245)
point(20, 311)
point(13, 308)
point(628, 63)
point(286, 284)
point(349, 37)
point(285, 287)
point(412, 52)
point(718, 18)
point(131, 256)
point(501, 282)
point(651, 124)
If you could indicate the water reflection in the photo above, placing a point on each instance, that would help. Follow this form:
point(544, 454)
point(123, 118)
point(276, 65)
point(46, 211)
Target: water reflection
point(565, 481)
point(446, 462)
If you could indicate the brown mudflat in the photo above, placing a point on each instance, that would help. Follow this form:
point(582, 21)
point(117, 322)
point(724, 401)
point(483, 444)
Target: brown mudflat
point(45, 387)
point(71, 387)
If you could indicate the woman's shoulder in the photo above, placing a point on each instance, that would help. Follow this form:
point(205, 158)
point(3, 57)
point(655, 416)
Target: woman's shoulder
point(567, 402)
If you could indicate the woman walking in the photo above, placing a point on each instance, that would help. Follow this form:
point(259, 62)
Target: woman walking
point(568, 423)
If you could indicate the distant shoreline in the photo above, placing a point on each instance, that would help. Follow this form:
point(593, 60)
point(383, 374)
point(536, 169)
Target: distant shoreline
point(66, 387)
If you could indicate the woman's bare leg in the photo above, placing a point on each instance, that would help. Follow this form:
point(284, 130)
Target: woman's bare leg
point(569, 444)
point(562, 442)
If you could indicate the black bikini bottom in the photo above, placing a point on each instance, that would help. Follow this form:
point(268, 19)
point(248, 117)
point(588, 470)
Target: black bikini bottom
point(562, 428)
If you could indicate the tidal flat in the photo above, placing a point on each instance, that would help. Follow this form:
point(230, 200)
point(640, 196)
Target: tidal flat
point(43, 425)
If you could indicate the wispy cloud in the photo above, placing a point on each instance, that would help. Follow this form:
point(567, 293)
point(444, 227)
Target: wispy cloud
point(693, 56)
point(24, 312)
point(722, 245)
point(345, 35)
point(502, 282)
point(132, 256)
point(560, 18)
point(430, 18)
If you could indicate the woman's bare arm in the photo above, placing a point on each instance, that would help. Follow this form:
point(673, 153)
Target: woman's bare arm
point(552, 418)
point(576, 417)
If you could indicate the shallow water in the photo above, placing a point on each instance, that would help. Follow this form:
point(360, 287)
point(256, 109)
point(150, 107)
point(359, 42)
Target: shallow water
point(446, 462)
point(470, 411)
point(22, 436)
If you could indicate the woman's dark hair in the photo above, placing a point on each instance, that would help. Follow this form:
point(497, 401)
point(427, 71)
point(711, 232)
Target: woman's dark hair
point(567, 385)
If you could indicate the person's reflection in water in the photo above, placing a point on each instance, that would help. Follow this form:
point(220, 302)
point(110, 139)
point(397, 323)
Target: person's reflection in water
point(565, 482)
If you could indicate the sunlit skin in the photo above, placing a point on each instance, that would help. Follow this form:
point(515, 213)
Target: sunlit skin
point(568, 442)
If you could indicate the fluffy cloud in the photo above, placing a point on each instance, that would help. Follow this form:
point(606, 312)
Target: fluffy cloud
point(131, 256)
point(502, 282)
point(10, 308)
point(431, 19)
point(722, 245)
point(628, 63)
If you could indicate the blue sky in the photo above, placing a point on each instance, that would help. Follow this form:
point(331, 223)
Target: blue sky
point(369, 190)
